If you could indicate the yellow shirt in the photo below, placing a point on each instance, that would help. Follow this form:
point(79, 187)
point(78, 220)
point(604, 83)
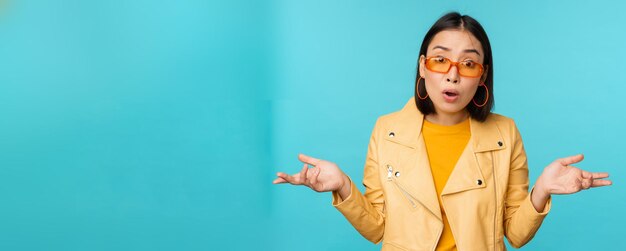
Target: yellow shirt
point(444, 145)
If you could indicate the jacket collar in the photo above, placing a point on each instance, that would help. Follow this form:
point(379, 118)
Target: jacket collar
point(485, 136)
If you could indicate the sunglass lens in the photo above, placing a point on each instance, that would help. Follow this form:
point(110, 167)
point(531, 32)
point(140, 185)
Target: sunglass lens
point(438, 64)
point(470, 69)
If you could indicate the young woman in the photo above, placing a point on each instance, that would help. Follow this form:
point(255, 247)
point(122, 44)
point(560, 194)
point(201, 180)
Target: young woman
point(444, 173)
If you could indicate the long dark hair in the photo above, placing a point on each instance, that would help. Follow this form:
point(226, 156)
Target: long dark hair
point(453, 21)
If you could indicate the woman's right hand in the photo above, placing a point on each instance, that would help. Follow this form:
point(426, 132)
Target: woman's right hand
point(325, 176)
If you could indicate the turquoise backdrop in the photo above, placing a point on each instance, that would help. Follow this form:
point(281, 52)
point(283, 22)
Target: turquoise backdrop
point(160, 125)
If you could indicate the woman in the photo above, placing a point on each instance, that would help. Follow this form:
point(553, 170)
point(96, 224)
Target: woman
point(444, 173)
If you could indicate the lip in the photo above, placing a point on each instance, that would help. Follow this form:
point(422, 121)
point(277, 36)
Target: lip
point(450, 98)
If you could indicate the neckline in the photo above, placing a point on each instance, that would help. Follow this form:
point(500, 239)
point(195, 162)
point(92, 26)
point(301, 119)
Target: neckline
point(460, 127)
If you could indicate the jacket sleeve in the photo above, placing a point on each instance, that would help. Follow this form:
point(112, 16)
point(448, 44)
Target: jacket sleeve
point(366, 211)
point(521, 220)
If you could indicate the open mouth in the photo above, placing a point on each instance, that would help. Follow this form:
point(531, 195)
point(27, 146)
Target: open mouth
point(450, 93)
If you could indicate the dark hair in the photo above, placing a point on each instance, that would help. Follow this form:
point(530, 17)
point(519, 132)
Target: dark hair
point(453, 21)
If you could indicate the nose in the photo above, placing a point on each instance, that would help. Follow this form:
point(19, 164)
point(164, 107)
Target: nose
point(453, 75)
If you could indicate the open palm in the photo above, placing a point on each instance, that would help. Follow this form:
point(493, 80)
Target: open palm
point(324, 176)
point(561, 178)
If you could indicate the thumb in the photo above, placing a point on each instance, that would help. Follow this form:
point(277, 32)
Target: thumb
point(308, 159)
point(571, 159)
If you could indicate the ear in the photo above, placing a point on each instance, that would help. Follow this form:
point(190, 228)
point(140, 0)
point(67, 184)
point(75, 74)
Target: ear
point(483, 78)
point(422, 68)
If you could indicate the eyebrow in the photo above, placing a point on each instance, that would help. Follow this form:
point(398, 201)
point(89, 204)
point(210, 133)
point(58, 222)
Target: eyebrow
point(448, 49)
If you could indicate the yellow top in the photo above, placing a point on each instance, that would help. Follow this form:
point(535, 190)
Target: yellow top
point(444, 145)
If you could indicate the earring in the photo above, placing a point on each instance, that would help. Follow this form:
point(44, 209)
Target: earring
point(418, 89)
point(486, 96)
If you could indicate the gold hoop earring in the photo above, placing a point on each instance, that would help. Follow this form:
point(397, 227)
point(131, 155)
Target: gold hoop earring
point(486, 95)
point(418, 89)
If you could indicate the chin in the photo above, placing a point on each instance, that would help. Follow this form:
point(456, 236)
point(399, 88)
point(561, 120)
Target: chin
point(450, 108)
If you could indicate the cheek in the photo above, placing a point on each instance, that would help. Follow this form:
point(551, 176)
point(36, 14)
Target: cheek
point(469, 91)
point(433, 82)
point(465, 83)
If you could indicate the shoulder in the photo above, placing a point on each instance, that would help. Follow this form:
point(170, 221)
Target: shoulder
point(506, 126)
point(500, 120)
point(390, 118)
point(407, 115)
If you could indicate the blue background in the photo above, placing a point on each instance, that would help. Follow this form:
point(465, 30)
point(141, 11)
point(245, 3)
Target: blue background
point(159, 125)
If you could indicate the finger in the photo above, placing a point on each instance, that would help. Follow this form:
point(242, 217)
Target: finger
point(311, 173)
point(289, 178)
point(314, 174)
point(586, 175)
point(279, 180)
point(302, 178)
point(600, 175)
point(601, 183)
point(308, 159)
point(571, 159)
point(586, 183)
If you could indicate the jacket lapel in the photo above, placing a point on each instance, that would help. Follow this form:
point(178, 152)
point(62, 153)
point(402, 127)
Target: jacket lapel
point(466, 175)
point(416, 177)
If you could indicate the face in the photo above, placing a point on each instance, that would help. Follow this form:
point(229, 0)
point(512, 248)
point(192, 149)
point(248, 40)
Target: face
point(451, 92)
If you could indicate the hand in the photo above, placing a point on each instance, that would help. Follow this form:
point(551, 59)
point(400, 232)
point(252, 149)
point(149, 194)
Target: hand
point(323, 177)
point(561, 178)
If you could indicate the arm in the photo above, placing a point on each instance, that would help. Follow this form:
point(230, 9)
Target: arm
point(364, 211)
point(521, 219)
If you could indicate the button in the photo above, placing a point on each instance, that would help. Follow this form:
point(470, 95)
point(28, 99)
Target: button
point(500, 143)
point(391, 134)
point(479, 182)
point(397, 174)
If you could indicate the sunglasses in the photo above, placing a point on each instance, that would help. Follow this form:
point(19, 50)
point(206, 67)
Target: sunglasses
point(468, 69)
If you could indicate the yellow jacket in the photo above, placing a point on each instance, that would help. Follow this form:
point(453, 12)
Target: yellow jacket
point(486, 196)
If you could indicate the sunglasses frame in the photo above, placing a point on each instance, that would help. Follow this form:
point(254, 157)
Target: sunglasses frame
point(452, 63)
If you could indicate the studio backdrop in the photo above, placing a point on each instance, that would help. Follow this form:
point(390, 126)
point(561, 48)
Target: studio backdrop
point(160, 125)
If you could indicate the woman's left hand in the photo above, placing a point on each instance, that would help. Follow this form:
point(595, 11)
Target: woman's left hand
point(561, 178)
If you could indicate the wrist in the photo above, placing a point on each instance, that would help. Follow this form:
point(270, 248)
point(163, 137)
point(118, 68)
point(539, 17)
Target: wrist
point(541, 190)
point(345, 188)
point(346, 183)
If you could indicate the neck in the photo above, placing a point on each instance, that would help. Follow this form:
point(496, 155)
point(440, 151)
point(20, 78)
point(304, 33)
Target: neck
point(447, 119)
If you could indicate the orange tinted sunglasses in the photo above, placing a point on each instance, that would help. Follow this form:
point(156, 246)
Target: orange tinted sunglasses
point(468, 69)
